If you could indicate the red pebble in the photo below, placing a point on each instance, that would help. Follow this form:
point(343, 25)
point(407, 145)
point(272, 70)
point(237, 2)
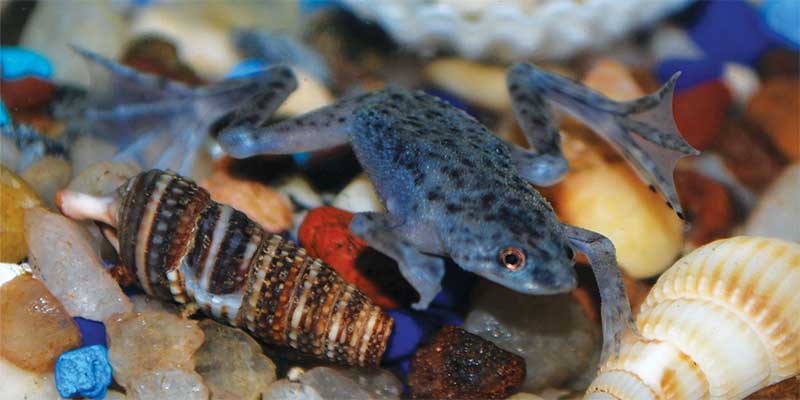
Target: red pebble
point(700, 112)
point(325, 234)
point(26, 93)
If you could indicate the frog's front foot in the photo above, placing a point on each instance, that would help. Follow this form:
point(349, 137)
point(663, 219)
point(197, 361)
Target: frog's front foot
point(422, 271)
point(615, 309)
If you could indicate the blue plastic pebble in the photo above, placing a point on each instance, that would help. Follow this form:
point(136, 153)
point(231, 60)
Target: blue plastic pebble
point(5, 119)
point(92, 332)
point(782, 17)
point(83, 372)
point(18, 62)
point(693, 72)
point(730, 30)
point(246, 68)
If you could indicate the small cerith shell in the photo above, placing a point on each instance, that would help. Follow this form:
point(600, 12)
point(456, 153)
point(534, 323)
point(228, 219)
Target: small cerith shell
point(722, 323)
point(183, 246)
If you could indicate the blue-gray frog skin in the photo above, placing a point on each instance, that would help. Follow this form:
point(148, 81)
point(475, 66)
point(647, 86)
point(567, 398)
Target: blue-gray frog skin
point(453, 189)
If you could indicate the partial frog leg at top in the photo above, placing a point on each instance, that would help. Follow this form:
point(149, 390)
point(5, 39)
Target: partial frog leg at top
point(643, 130)
point(615, 310)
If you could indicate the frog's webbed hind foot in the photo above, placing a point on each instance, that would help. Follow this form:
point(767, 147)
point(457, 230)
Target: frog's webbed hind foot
point(615, 310)
point(422, 271)
point(643, 130)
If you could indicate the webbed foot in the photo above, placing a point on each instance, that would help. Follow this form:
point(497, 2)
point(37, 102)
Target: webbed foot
point(422, 271)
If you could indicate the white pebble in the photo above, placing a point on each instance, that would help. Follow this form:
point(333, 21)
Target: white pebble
point(742, 81)
point(358, 196)
point(778, 212)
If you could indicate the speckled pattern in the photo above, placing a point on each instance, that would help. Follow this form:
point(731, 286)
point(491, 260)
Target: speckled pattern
point(451, 188)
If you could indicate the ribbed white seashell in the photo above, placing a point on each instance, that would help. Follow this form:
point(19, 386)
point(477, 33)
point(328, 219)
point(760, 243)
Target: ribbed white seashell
point(510, 29)
point(723, 322)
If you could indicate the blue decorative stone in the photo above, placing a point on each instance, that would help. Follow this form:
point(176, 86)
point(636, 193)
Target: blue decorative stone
point(782, 17)
point(246, 68)
point(730, 30)
point(693, 72)
point(5, 119)
point(411, 328)
point(18, 62)
point(92, 332)
point(83, 372)
point(301, 158)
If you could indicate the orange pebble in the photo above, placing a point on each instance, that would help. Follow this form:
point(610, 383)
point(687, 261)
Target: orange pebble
point(700, 112)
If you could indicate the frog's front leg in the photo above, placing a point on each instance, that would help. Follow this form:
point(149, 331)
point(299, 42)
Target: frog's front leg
point(384, 233)
point(643, 130)
point(615, 310)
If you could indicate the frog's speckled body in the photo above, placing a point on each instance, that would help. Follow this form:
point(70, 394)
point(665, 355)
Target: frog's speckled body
point(452, 188)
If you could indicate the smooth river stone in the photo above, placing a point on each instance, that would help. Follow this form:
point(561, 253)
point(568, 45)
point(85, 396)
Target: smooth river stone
point(17, 383)
point(150, 341)
point(34, 327)
point(15, 196)
point(62, 254)
point(552, 333)
point(232, 363)
point(168, 384)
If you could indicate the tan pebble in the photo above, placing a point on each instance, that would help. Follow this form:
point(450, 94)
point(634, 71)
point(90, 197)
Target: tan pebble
point(88, 150)
point(613, 79)
point(480, 84)
point(34, 326)
point(17, 383)
point(611, 200)
point(168, 384)
point(310, 95)
point(524, 396)
point(102, 178)
point(261, 203)
point(47, 176)
point(358, 196)
point(774, 109)
point(15, 196)
point(778, 211)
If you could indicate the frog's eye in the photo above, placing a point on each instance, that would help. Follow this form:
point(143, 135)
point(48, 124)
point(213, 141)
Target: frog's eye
point(512, 258)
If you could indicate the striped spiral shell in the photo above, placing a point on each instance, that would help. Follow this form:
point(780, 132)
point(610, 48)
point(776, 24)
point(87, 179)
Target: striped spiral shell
point(181, 245)
point(723, 322)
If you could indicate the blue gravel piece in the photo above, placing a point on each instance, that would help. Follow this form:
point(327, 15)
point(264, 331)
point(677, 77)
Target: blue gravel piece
point(730, 30)
point(83, 372)
point(5, 119)
point(246, 68)
point(782, 18)
point(92, 332)
point(18, 62)
point(693, 72)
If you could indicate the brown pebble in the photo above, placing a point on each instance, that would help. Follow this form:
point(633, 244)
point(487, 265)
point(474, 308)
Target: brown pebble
point(459, 365)
point(34, 327)
point(708, 205)
point(788, 389)
point(774, 110)
point(749, 155)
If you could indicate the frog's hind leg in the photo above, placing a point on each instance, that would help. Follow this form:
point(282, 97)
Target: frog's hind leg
point(422, 271)
point(643, 130)
point(615, 310)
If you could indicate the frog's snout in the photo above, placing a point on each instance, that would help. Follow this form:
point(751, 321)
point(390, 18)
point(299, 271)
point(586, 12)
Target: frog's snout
point(236, 142)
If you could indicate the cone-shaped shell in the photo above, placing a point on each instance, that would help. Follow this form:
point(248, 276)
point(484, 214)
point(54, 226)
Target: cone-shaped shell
point(723, 322)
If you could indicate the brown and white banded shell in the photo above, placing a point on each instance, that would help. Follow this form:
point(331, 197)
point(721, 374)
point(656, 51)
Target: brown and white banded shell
point(722, 323)
point(181, 245)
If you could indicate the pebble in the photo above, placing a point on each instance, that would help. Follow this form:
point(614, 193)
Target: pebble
point(148, 342)
point(34, 326)
point(103, 178)
point(749, 155)
point(708, 206)
point(742, 82)
point(670, 41)
point(693, 72)
point(63, 255)
point(168, 384)
point(286, 390)
point(778, 211)
point(782, 17)
point(328, 383)
point(729, 31)
point(156, 55)
point(774, 109)
point(11, 271)
point(262, 204)
point(300, 192)
point(701, 111)
point(92, 332)
point(143, 303)
point(778, 62)
point(18, 383)
point(27, 93)
point(411, 328)
point(47, 176)
point(15, 196)
point(5, 119)
point(480, 84)
point(525, 396)
point(784, 390)
point(232, 363)
point(325, 234)
point(88, 149)
point(552, 333)
point(83, 372)
point(459, 365)
point(19, 63)
point(614, 79)
point(358, 196)
point(309, 95)
point(54, 26)
point(611, 200)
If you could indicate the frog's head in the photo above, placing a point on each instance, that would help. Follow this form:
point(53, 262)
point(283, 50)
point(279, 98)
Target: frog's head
point(522, 256)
